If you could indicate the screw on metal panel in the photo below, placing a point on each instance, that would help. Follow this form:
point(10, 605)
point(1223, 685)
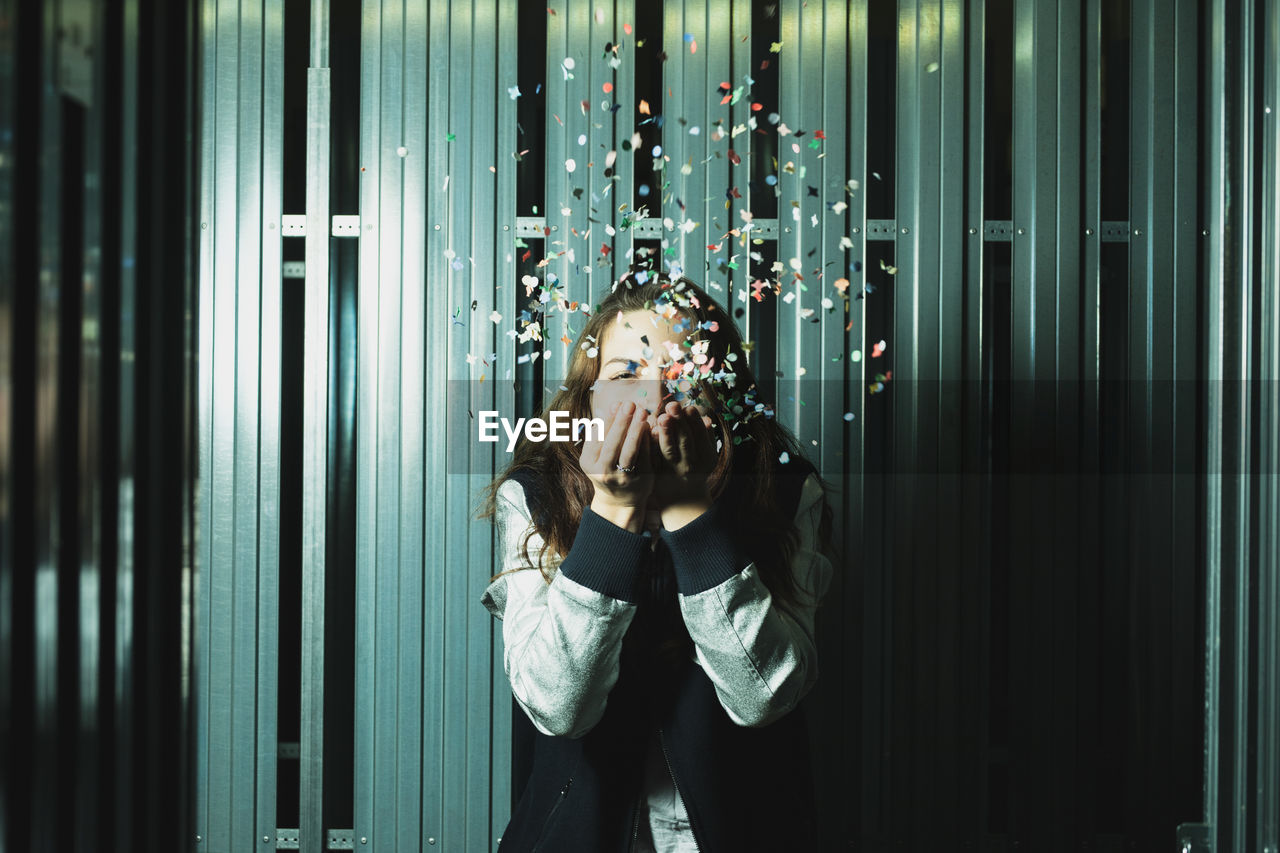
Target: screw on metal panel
point(1205, 232)
point(199, 839)
point(431, 841)
point(787, 229)
point(437, 227)
point(364, 840)
point(973, 230)
point(555, 227)
point(1137, 232)
point(205, 225)
point(266, 839)
point(905, 230)
point(1021, 231)
point(857, 230)
point(506, 227)
point(1088, 231)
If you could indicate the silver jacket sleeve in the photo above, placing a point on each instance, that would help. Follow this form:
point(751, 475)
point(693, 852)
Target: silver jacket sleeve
point(561, 640)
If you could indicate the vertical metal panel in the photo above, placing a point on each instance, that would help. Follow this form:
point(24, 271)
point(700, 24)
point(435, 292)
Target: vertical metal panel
point(1063, 496)
point(315, 433)
point(370, 476)
point(269, 379)
point(1215, 115)
point(976, 486)
point(89, 754)
point(1032, 371)
point(696, 39)
point(45, 781)
point(1267, 787)
point(572, 104)
point(472, 673)
point(239, 425)
point(126, 487)
point(499, 394)
point(8, 307)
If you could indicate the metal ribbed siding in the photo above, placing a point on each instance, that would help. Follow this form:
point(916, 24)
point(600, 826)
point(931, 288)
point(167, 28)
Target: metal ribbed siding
point(422, 651)
point(239, 427)
point(426, 657)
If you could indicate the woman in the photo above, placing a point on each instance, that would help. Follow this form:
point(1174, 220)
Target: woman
point(666, 637)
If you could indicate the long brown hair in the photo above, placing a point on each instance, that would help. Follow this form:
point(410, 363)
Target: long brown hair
point(753, 441)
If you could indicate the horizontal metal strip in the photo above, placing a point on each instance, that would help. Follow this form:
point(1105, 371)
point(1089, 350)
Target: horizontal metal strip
point(295, 225)
point(335, 839)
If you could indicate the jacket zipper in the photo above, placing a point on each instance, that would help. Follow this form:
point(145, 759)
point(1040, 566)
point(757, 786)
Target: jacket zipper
point(563, 792)
point(692, 825)
point(635, 821)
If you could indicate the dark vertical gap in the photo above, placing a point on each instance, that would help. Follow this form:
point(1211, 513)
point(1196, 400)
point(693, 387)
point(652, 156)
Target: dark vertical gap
point(1114, 97)
point(110, 216)
point(162, 776)
point(531, 111)
point(763, 142)
point(650, 60)
point(997, 296)
point(882, 82)
point(26, 241)
point(997, 187)
point(149, 111)
point(1115, 671)
point(526, 376)
point(340, 578)
point(297, 58)
point(763, 357)
point(70, 323)
point(1112, 666)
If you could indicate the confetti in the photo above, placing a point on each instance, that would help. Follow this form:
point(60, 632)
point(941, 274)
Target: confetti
point(775, 47)
point(514, 92)
point(570, 165)
point(931, 67)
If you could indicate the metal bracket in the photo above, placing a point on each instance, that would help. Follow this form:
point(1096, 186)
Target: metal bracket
point(1195, 838)
point(647, 229)
point(294, 269)
point(1000, 230)
point(293, 225)
point(1115, 232)
point(342, 839)
point(881, 229)
point(289, 749)
point(335, 839)
point(530, 226)
point(346, 226)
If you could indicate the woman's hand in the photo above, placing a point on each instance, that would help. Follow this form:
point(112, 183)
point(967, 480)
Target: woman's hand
point(626, 443)
point(684, 457)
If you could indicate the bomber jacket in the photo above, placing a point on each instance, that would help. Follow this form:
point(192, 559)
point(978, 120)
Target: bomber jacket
point(674, 635)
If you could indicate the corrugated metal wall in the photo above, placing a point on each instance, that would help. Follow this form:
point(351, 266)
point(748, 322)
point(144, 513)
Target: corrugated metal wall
point(1053, 630)
point(97, 289)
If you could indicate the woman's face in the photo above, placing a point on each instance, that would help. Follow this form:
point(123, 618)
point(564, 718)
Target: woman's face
point(634, 355)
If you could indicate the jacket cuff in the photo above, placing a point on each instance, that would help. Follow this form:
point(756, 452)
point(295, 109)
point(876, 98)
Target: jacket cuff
point(706, 551)
point(605, 557)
